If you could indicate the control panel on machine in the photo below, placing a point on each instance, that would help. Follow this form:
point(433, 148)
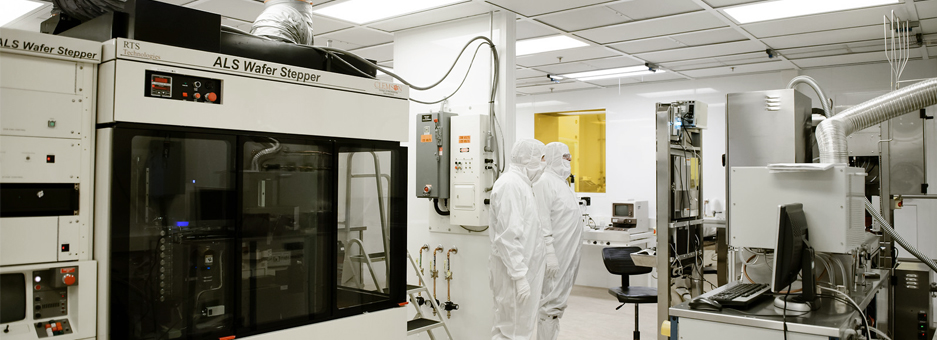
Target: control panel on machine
point(50, 291)
point(183, 87)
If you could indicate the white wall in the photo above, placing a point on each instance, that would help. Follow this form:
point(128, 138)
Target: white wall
point(422, 56)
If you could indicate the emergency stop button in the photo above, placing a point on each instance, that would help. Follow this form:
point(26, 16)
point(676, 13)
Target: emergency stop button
point(212, 97)
point(68, 279)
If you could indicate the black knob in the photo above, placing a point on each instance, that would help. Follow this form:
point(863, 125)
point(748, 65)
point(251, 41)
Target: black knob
point(420, 301)
point(449, 306)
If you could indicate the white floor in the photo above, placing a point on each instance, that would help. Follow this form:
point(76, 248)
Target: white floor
point(591, 315)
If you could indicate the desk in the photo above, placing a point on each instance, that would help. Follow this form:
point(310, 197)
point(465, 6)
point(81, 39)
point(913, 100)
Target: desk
point(833, 319)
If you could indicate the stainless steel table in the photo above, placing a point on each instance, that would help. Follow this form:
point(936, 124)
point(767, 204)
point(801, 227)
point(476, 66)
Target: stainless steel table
point(764, 321)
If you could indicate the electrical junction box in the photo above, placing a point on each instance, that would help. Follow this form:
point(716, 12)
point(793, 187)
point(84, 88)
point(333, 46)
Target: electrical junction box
point(913, 314)
point(432, 155)
point(472, 173)
point(833, 202)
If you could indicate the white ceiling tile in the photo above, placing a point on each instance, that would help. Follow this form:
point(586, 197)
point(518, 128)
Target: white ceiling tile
point(379, 53)
point(32, 20)
point(528, 73)
point(526, 30)
point(239, 24)
point(926, 9)
point(246, 10)
point(645, 9)
point(652, 28)
point(584, 18)
point(823, 22)
point(569, 55)
point(613, 62)
point(719, 35)
point(458, 11)
point(658, 77)
point(654, 44)
point(843, 59)
point(826, 37)
point(738, 69)
point(322, 25)
point(566, 68)
point(357, 37)
point(744, 58)
point(929, 25)
point(706, 51)
point(867, 46)
point(531, 8)
point(693, 64)
point(814, 51)
point(556, 87)
point(615, 81)
point(723, 3)
point(525, 82)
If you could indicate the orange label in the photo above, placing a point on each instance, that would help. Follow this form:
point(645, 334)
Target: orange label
point(67, 270)
point(465, 139)
point(426, 138)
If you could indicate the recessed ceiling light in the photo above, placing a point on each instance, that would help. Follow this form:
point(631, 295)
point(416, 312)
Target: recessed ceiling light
point(771, 10)
point(678, 93)
point(363, 11)
point(611, 71)
point(554, 43)
point(13, 9)
point(622, 75)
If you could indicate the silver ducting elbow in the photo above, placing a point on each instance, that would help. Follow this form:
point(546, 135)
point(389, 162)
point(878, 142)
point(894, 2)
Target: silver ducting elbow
point(285, 20)
point(832, 133)
point(825, 103)
point(85, 10)
point(255, 162)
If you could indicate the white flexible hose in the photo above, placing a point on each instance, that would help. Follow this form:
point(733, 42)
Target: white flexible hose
point(880, 333)
point(824, 102)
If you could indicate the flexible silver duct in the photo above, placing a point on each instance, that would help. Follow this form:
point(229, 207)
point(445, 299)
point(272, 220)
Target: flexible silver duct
point(824, 102)
point(832, 133)
point(891, 232)
point(255, 162)
point(285, 20)
point(85, 10)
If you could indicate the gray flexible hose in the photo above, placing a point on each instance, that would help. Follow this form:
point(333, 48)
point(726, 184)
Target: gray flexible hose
point(824, 102)
point(891, 232)
point(85, 10)
point(255, 162)
point(832, 133)
point(285, 20)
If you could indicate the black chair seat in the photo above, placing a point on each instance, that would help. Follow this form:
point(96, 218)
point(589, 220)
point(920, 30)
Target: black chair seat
point(634, 294)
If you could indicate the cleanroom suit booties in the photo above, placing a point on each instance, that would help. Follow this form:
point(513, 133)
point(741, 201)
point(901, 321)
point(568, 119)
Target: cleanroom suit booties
point(561, 220)
point(516, 260)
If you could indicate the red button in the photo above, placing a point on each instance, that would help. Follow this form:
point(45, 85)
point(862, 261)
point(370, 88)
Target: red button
point(198, 95)
point(68, 279)
point(185, 94)
point(38, 287)
point(212, 97)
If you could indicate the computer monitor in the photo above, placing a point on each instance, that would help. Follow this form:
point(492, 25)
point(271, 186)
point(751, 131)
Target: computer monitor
point(793, 255)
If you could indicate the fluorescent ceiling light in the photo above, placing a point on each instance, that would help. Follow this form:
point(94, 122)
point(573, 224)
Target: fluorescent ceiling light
point(615, 71)
point(622, 75)
point(13, 9)
point(363, 11)
point(554, 43)
point(763, 11)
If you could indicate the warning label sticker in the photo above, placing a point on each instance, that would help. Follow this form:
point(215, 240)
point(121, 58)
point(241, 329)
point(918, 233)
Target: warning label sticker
point(464, 150)
point(426, 138)
point(465, 139)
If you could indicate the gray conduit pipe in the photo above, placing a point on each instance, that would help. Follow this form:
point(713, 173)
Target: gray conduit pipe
point(832, 132)
point(891, 232)
point(825, 103)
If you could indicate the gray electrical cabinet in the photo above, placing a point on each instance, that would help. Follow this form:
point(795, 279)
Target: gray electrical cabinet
point(912, 310)
point(432, 155)
point(766, 127)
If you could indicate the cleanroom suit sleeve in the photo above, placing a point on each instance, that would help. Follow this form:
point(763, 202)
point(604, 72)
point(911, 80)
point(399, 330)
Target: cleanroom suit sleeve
point(545, 210)
point(507, 230)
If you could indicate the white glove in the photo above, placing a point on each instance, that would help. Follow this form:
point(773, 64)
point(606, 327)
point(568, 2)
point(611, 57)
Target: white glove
point(553, 264)
point(522, 288)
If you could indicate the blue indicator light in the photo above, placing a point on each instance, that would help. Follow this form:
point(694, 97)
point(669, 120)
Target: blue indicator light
point(182, 224)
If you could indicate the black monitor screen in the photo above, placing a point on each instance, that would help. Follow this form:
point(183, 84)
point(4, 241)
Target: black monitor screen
point(623, 210)
point(12, 297)
point(788, 255)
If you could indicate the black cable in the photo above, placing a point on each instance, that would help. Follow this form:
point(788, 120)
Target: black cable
point(438, 211)
point(784, 312)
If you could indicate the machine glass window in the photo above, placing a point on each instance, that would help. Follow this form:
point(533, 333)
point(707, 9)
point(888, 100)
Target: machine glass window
point(172, 250)
point(584, 132)
point(286, 209)
point(364, 242)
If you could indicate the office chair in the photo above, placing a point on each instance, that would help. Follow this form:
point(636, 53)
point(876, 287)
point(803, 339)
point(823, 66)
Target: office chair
point(618, 261)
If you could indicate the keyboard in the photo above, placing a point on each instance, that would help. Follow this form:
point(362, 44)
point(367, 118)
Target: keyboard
point(737, 294)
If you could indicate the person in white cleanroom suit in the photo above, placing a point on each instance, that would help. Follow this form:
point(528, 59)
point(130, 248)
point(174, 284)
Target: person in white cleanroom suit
point(561, 221)
point(516, 262)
